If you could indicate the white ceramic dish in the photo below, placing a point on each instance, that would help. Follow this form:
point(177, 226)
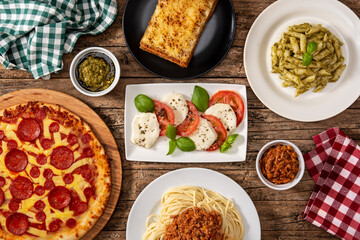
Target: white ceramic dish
point(158, 152)
point(298, 176)
point(75, 63)
point(148, 202)
point(267, 30)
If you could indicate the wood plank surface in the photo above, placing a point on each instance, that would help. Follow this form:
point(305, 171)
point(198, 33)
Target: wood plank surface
point(280, 211)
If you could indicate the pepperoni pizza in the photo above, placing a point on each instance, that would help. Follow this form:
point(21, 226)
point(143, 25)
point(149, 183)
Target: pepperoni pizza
point(54, 173)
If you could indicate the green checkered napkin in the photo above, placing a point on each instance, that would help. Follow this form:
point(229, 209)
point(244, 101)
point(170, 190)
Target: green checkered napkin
point(34, 34)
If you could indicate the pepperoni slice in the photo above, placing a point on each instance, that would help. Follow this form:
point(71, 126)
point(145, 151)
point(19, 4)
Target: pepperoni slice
point(32, 154)
point(59, 197)
point(71, 223)
point(76, 204)
point(88, 152)
point(2, 197)
point(63, 136)
point(48, 173)
point(29, 129)
point(86, 138)
point(14, 205)
point(12, 144)
point(16, 160)
point(5, 214)
point(39, 205)
point(2, 134)
point(78, 207)
point(21, 188)
point(54, 226)
point(40, 114)
point(89, 192)
point(82, 207)
point(1, 150)
point(40, 226)
point(62, 157)
point(2, 181)
point(49, 185)
point(68, 178)
point(40, 216)
point(72, 139)
point(46, 143)
point(54, 127)
point(35, 172)
point(86, 173)
point(17, 223)
point(39, 190)
point(41, 159)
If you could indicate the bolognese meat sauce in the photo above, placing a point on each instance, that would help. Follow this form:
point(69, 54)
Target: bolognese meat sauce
point(195, 223)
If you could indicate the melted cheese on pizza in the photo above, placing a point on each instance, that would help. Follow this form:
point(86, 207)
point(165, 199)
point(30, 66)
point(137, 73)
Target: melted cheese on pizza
point(26, 206)
point(175, 28)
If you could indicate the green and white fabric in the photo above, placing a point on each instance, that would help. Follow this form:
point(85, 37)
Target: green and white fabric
point(34, 34)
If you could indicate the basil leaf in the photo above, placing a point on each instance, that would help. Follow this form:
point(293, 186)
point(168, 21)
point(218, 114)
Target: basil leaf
point(225, 146)
point(144, 104)
point(185, 144)
point(231, 139)
point(200, 98)
point(172, 147)
point(311, 47)
point(171, 132)
point(307, 59)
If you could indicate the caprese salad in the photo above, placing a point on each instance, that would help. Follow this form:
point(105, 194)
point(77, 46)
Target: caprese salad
point(203, 123)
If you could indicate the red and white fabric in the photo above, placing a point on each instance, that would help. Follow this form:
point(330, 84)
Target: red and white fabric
point(334, 165)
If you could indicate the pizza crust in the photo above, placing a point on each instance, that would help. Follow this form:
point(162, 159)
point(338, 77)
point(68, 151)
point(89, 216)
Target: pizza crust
point(102, 183)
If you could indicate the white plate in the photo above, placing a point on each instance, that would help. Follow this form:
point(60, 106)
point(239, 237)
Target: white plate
point(267, 30)
point(158, 152)
point(148, 202)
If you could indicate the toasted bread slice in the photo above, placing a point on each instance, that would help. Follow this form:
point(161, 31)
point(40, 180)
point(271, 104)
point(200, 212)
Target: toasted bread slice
point(175, 29)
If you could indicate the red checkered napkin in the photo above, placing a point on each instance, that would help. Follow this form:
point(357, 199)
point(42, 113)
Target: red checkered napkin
point(334, 165)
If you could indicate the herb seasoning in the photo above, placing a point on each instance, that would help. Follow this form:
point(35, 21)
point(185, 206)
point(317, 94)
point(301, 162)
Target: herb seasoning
point(95, 73)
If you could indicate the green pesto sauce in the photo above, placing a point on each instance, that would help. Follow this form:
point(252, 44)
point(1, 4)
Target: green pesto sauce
point(95, 73)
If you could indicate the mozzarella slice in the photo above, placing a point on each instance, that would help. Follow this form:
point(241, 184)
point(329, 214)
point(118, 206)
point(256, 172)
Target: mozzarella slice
point(145, 130)
point(204, 136)
point(178, 104)
point(225, 114)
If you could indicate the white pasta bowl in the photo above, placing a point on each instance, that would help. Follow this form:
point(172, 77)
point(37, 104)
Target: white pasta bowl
point(77, 60)
point(298, 176)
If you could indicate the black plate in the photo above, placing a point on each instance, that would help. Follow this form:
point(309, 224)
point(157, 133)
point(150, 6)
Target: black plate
point(212, 47)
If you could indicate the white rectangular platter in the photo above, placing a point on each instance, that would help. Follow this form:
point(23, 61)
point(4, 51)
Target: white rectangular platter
point(158, 152)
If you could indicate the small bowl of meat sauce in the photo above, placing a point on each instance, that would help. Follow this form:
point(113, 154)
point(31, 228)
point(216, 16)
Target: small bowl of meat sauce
point(280, 165)
point(95, 71)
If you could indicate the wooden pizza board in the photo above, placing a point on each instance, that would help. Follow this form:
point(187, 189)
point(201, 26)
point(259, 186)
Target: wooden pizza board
point(97, 125)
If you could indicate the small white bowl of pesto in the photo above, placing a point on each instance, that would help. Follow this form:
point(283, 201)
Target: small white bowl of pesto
point(95, 71)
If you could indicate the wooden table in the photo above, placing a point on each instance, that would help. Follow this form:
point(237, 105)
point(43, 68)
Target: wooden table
point(280, 212)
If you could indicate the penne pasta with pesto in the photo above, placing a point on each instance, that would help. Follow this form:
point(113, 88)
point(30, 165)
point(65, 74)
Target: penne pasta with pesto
point(307, 57)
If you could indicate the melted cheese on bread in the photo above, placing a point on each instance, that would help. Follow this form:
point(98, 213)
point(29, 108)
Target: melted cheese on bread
point(176, 27)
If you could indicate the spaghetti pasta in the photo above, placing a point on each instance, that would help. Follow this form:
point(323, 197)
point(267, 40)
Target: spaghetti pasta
point(178, 199)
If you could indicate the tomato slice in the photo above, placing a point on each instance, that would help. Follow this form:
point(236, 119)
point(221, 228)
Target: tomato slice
point(231, 98)
point(164, 115)
point(220, 130)
point(191, 122)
